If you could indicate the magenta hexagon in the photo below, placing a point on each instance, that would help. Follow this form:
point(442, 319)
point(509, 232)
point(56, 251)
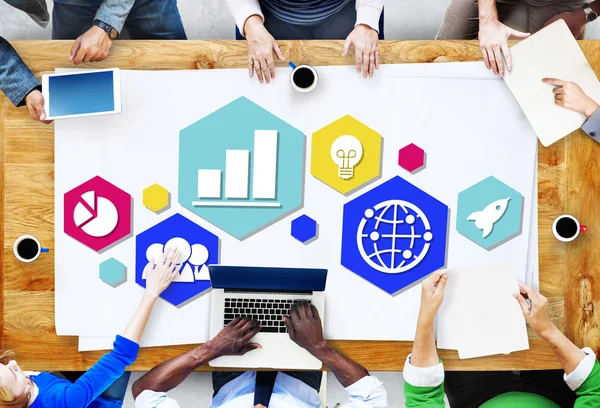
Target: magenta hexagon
point(97, 213)
point(411, 157)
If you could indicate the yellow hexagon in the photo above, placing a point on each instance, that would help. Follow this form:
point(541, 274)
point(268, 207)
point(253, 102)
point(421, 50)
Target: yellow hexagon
point(345, 154)
point(155, 197)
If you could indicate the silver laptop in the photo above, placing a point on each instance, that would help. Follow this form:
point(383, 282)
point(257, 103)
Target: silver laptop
point(265, 294)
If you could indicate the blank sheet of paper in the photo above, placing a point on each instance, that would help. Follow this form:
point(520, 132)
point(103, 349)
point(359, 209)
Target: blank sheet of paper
point(550, 53)
point(479, 315)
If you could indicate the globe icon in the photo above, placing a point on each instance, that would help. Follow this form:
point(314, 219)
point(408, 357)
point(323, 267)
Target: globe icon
point(393, 236)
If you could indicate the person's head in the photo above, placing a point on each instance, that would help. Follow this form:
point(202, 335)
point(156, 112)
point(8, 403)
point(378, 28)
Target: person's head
point(15, 386)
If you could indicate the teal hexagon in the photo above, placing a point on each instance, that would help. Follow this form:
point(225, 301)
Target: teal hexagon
point(241, 168)
point(113, 272)
point(489, 213)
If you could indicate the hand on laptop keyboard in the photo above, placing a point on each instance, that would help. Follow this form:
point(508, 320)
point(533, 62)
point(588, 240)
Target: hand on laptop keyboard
point(305, 327)
point(268, 312)
point(233, 339)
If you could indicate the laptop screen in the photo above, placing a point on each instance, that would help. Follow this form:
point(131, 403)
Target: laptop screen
point(268, 279)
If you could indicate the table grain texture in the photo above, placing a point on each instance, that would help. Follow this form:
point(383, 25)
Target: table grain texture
point(568, 180)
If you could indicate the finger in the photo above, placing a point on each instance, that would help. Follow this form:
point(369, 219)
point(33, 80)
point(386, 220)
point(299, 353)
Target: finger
point(554, 81)
point(377, 59)
point(248, 347)
point(250, 67)
point(253, 331)
point(437, 275)
point(290, 326)
point(559, 97)
point(79, 57)
point(347, 45)
point(529, 291)
point(258, 71)
point(523, 303)
point(302, 310)
point(75, 49)
point(486, 59)
point(271, 67)
point(558, 90)
point(365, 65)
point(33, 112)
point(499, 61)
point(358, 58)
point(88, 57)
point(492, 59)
point(235, 322)
point(264, 66)
point(294, 311)
point(248, 324)
point(518, 34)
point(371, 64)
point(315, 312)
point(278, 51)
point(442, 283)
point(507, 57)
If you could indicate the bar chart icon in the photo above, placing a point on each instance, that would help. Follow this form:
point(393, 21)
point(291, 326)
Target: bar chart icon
point(236, 177)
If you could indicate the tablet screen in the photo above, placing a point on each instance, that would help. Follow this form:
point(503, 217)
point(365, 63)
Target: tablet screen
point(81, 93)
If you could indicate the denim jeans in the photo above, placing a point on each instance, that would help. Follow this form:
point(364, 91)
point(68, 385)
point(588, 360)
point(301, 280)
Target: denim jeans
point(336, 27)
point(147, 20)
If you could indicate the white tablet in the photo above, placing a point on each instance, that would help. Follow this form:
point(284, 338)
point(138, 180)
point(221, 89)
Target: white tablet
point(88, 93)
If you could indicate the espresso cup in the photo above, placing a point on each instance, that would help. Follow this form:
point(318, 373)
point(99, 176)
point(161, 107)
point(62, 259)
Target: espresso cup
point(566, 228)
point(27, 248)
point(304, 78)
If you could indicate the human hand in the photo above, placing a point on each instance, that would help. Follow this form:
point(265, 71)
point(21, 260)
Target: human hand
point(305, 327)
point(35, 103)
point(570, 96)
point(162, 273)
point(365, 41)
point(493, 42)
point(261, 45)
point(91, 46)
point(432, 294)
point(536, 310)
point(233, 339)
point(575, 20)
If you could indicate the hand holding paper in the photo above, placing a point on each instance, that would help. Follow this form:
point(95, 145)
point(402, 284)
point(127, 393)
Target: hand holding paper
point(432, 294)
point(536, 312)
point(570, 96)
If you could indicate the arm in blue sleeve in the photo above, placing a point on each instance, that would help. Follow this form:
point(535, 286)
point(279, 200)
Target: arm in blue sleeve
point(16, 80)
point(101, 376)
point(114, 12)
point(592, 125)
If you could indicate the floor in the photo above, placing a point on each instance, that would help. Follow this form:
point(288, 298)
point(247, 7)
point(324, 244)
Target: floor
point(210, 19)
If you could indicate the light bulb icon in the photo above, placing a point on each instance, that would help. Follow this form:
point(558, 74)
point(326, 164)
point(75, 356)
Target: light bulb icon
point(346, 152)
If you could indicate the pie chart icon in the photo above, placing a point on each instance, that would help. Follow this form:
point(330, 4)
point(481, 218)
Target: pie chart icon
point(96, 216)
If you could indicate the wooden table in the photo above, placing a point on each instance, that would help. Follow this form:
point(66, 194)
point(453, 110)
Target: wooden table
point(569, 182)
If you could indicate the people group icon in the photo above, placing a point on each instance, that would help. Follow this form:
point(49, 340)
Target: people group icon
point(193, 257)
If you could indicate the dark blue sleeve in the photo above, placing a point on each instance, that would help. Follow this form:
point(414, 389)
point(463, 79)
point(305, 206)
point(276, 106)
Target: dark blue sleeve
point(101, 376)
point(16, 80)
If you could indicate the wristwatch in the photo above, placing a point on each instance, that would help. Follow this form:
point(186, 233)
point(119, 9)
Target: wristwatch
point(112, 32)
point(590, 14)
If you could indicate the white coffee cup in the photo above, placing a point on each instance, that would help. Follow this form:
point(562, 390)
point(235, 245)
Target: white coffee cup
point(23, 238)
point(562, 237)
point(299, 68)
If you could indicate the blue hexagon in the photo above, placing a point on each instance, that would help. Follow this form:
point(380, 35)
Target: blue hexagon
point(241, 168)
point(199, 247)
point(113, 272)
point(304, 228)
point(489, 213)
point(394, 235)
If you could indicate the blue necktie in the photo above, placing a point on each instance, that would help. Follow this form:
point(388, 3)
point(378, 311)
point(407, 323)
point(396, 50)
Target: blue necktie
point(265, 381)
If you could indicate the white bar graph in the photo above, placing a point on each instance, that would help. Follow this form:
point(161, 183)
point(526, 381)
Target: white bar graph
point(209, 183)
point(264, 184)
point(236, 173)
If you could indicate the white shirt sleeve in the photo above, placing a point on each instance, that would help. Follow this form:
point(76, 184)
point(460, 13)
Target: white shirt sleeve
point(423, 376)
point(368, 13)
point(242, 9)
point(583, 370)
point(368, 392)
point(153, 399)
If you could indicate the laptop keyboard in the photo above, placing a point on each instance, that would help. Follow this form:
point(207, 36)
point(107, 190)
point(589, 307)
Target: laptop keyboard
point(268, 312)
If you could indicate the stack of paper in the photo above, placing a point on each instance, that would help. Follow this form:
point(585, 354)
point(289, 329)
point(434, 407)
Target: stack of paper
point(479, 315)
point(550, 53)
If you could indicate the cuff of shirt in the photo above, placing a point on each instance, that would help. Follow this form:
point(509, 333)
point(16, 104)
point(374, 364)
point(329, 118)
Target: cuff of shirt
point(423, 376)
point(583, 370)
point(364, 387)
point(127, 347)
point(26, 86)
point(153, 399)
point(368, 15)
point(592, 125)
point(113, 16)
point(244, 13)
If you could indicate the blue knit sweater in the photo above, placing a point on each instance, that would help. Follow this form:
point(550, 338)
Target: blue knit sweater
point(56, 392)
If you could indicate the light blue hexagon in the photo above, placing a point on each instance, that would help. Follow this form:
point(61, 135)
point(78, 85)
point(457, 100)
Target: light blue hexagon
point(241, 168)
point(113, 272)
point(489, 213)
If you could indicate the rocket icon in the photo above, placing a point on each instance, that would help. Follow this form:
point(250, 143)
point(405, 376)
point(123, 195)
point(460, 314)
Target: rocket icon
point(485, 219)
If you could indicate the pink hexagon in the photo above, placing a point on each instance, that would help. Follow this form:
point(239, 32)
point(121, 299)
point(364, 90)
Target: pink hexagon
point(97, 213)
point(411, 157)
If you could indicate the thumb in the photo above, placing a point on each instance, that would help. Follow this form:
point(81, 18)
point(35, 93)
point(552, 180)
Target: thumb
point(75, 48)
point(278, 51)
point(347, 45)
point(249, 347)
point(519, 34)
point(442, 283)
point(522, 302)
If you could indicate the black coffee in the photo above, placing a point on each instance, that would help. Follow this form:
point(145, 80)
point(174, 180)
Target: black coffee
point(304, 78)
point(566, 227)
point(28, 248)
